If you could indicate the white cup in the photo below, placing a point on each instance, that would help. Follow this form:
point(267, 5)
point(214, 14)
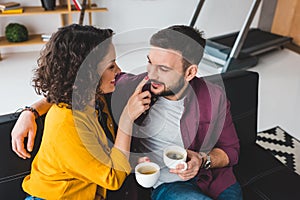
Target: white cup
point(147, 174)
point(174, 155)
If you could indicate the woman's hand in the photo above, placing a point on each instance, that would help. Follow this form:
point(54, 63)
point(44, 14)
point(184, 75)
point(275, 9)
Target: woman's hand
point(136, 105)
point(25, 127)
point(139, 101)
point(143, 159)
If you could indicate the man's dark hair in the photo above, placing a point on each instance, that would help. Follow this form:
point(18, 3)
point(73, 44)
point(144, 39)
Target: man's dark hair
point(187, 40)
point(64, 60)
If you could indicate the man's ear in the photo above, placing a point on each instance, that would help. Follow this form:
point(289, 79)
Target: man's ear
point(191, 72)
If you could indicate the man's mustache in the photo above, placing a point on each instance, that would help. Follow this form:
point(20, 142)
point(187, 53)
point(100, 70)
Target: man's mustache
point(156, 81)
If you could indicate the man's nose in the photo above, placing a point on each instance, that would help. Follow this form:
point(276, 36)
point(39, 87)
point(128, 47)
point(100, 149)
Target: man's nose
point(152, 72)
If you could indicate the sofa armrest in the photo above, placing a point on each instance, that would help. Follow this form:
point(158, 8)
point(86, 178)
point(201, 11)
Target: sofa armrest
point(13, 168)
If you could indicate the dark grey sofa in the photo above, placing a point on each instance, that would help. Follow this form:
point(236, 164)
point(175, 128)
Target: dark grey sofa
point(261, 175)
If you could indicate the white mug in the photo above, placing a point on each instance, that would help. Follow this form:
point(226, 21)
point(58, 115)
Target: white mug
point(147, 174)
point(174, 155)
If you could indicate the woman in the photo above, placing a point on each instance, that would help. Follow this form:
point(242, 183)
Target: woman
point(74, 160)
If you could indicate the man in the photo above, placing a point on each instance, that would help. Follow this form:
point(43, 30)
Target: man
point(186, 111)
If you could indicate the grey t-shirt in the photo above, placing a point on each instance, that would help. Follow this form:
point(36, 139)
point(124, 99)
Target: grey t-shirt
point(162, 129)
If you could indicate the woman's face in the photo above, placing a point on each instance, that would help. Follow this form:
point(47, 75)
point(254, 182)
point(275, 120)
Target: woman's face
point(109, 70)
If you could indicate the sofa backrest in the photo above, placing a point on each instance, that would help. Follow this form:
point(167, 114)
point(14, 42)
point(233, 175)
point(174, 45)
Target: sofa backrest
point(12, 168)
point(242, 91)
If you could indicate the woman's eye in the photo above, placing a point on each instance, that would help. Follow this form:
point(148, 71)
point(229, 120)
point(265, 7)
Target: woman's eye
point(111, 67)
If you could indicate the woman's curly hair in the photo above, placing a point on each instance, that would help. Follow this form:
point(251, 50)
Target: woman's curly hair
point(67, 67)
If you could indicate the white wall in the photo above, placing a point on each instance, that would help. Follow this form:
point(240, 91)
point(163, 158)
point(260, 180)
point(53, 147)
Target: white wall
point(217, 17)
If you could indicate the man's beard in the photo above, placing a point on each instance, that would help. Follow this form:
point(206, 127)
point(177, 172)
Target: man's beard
point(170, 91)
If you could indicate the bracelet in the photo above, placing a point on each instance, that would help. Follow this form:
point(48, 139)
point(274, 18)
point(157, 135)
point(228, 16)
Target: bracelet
point(202, 159)
point(33, 110)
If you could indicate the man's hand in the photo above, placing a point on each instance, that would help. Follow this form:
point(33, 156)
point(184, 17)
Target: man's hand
point(194, 164)
point(24, 127)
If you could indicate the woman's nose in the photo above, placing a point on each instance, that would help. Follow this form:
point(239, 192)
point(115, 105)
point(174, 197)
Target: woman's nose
point(118, 70)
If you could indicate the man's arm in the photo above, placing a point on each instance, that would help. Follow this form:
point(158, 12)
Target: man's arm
point(217, 156)
point(26, 127)
point(225, 153)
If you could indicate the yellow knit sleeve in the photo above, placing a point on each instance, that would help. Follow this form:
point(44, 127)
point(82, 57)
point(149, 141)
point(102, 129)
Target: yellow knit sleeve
point(84, 153)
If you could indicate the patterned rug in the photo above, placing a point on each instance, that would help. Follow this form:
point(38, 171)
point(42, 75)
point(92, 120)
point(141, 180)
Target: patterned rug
point(283, 146)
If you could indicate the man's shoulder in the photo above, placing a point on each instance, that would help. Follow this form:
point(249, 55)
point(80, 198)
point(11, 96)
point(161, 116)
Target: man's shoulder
point(204, 84)
point(129, 78)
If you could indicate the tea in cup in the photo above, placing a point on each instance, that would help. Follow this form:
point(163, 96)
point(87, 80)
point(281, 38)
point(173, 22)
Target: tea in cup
point(174, 155)
point(147, 174)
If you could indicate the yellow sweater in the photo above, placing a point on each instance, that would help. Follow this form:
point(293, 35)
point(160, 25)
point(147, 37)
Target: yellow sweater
point(74, 158)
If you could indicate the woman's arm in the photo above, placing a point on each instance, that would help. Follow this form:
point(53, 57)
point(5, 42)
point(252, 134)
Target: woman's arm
point(138, 103)
point(26, 127)
point(113, 164)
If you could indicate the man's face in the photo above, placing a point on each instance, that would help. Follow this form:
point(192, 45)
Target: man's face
point(165, 71)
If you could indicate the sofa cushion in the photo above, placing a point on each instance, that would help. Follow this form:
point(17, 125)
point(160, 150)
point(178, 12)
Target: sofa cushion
point(254, 163)
point(282, 184)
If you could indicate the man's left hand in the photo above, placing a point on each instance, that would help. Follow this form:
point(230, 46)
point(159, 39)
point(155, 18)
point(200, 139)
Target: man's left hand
point(193, 164)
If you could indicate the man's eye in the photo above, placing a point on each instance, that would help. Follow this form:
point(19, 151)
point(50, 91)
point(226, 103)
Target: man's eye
point(164, 69)
point(148, 60)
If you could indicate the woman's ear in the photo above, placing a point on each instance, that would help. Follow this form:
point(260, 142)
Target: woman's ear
point(191, 72)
